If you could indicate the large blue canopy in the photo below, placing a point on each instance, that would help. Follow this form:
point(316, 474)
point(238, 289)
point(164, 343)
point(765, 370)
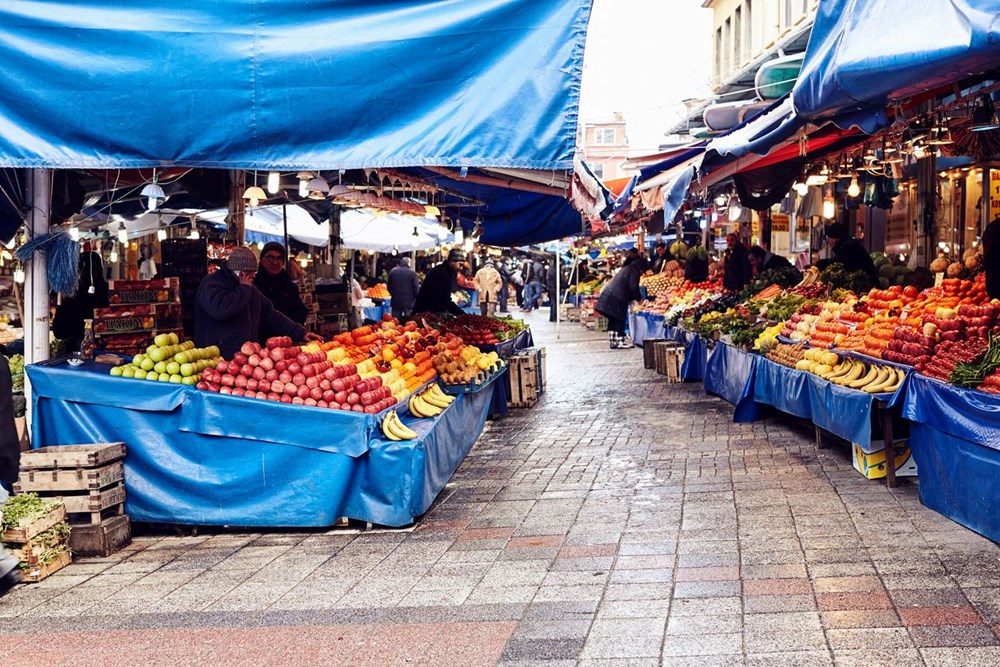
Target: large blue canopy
point(867, 53)
point(290, 84)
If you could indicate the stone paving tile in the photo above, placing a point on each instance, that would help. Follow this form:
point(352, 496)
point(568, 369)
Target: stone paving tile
point(574, 533)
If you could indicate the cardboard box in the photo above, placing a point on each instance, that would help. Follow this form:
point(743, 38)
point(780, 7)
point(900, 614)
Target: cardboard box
point(161, 290)
point(136, 318)
point(872, 465)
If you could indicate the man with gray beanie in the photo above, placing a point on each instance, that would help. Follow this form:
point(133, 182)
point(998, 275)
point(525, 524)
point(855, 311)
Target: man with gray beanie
point(435, 294)
point(403, 287)
point(230, 311)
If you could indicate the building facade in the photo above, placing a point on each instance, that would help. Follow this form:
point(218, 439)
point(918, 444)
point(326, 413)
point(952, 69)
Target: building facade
point(604, 146)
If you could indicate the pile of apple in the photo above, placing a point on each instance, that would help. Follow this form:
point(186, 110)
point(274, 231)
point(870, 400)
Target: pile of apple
point(169, 360)
point(303, 375)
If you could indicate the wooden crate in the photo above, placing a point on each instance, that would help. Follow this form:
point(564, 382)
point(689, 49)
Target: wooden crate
point(601, 323)
point(73, 456)
point(70, 479)
point(648, 351)
point(523, 382)
point(94, 506)
point(569, 313)
point(28, 528)
point(36, 573)
point(29, 552)
point(103, 539)
point(669, 358)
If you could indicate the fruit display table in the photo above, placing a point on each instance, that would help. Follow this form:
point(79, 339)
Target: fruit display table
point(376, 312)
point(730, 374)
point(505, 349)
point(955, 438)
point(645, 325)
point(201, 458)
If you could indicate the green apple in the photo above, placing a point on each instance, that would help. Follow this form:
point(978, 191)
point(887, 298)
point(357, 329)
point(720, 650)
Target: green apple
point(147, 364)
point(154, 377)
point(187, 370)
point(176, 379)
point(160, 367)
point(182, 357)
point(164, 377)
point(174, 339)
point(174, 368)
point(157, 354)
point(140, 374)
point(116, 371)
point(191, 379)
point(128, 372)
point(137, 359)
point(162, 340)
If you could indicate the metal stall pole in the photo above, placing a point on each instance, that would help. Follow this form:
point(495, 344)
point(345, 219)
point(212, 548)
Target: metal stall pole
point(556, 267)
point(36, 282)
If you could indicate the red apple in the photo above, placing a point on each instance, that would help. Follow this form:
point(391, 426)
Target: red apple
point(241, 381)
point(298, 378)
point(309, 371)
point(271, 375)
point(278, 387)
point(285, 377)
point(290, 389)
point(239, 392)
point(361, 387)
point(316, 393)
point(298, 400)
point(294, 367)
point(329, 395)
point(264, 385)
point(225, 390)
point(262, 395)
point(233, 368)
point(266, 364)
point(253, 360)
point(252, 384)
point(228, 380)
point(303, 391)
point(333, 406)
point(371, 409)
point(338, 385)
point(221, 366)
point(375, 382)
point(202, 385)
point(322, 404)
point(311, 402)
point(239, 358)
point(272, 396)
point(259, 373)
point(285, 398)
point(354, 398)
point(357, 408)
point(330, 374)
point(325, 384)
point(312, 383)
point(247, 370)
point(281, 366)
point(247, 348)
point(213, 386)
point(264, 353)
point(340, 397)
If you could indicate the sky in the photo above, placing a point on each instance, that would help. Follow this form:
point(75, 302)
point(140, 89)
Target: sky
point(644, 57)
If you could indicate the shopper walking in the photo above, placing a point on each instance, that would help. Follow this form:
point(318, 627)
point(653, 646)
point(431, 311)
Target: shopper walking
point(488, 283)
point(503, 268)
point(532, 284)
point(403, 285)
point(615, 298)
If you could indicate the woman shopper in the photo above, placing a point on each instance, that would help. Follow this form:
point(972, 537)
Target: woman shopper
point(615, 298)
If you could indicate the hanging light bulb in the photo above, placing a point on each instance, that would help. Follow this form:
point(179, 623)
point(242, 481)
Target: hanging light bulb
point(829, 209)
point(113, 257)
point(74, 233)
point(304, 178)
point(194, 235)
point(254, 194)
point(273, 182)
point(853, 190)
point(395, 250)
point(161, 234)
point(153, 194)
point(122, 233)
point(260, 245)
point(459, 232)
point(19, 275)
point(721, 200)
point(800, 188)
point(735, 209)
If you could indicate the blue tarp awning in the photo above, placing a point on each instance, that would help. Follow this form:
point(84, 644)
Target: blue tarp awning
point(864, 54)
point(278, 84)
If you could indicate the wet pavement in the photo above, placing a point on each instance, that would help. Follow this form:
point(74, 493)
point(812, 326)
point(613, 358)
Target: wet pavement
point(622, 521)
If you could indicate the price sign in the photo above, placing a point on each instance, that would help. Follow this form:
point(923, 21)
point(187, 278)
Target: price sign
point(994, 194)
point(779, 222)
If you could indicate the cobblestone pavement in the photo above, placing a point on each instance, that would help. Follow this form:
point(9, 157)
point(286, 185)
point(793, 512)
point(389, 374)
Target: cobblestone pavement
point(622, 521)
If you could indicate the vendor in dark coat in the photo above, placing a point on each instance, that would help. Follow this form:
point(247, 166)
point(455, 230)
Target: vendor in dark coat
point(765, 260)
point(230, 311)
point(848, 251)
point(615, 298)
point(91, 293)
point(435, 293)
point(736, 265)
point(273, 281)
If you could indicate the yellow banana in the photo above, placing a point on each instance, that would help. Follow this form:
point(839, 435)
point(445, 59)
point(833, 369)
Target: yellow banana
point(387, 427)
point(429, 397)
point(842, 369)
point(437, 391)
point(855, 373)
point(399, 429)
point(880, 379)
point(880, 387)
point(414, 408)
point(423, 408)
point(900, 376)
point(867, 379)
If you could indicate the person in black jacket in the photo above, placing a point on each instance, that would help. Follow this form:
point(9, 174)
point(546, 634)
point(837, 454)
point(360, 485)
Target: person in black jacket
point(230, 311)
point(765, 260)
point(848, 251)
point(615, 297)
point(91, 293)
point(435, 293)
point(736, 265)
point(273, 281)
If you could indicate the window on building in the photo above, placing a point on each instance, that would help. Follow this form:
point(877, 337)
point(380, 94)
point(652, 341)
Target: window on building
point(788, 19)
point(727, 50)
point(598, 170)
point(604, 136)
point(718, 54)
point(738, 38)
point(748, 28)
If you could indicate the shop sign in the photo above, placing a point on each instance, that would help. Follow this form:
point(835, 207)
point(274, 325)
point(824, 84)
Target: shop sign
point(994, 194)
point(779, 222)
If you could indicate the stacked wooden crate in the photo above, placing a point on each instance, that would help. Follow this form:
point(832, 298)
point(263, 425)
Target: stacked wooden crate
point(668, 358)
point(527, 377)
point(40, 542)
point(90, 478)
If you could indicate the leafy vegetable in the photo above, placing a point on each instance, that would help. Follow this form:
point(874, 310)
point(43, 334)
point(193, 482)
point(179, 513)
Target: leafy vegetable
point(23, 506)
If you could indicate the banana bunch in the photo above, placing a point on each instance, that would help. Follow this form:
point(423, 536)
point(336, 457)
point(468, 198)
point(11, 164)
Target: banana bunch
point(430, 402)
point(809, 276)
point(394, 429)
point(877, 380)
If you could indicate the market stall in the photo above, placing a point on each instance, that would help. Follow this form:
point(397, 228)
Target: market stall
point(730, 373)
point(200, 458)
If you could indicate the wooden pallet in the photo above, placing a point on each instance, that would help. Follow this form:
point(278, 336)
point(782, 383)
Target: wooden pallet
point(36, 573)
point(28, 528)
point(73, 456)
point(649, 350)
point(523, 382)
point(103, 539)
point(92, 507)
point(70, 479)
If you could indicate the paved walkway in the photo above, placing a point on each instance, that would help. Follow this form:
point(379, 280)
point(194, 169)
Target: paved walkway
point(622, 521)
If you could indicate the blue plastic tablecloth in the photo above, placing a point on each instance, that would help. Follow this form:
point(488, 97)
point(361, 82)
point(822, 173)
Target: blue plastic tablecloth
point(955, 437)
point(695, 357)
point(645, 325)
point(207, 459)
point(729, 374)
point(376, 312)
point(839, 410)
point(504, 350)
